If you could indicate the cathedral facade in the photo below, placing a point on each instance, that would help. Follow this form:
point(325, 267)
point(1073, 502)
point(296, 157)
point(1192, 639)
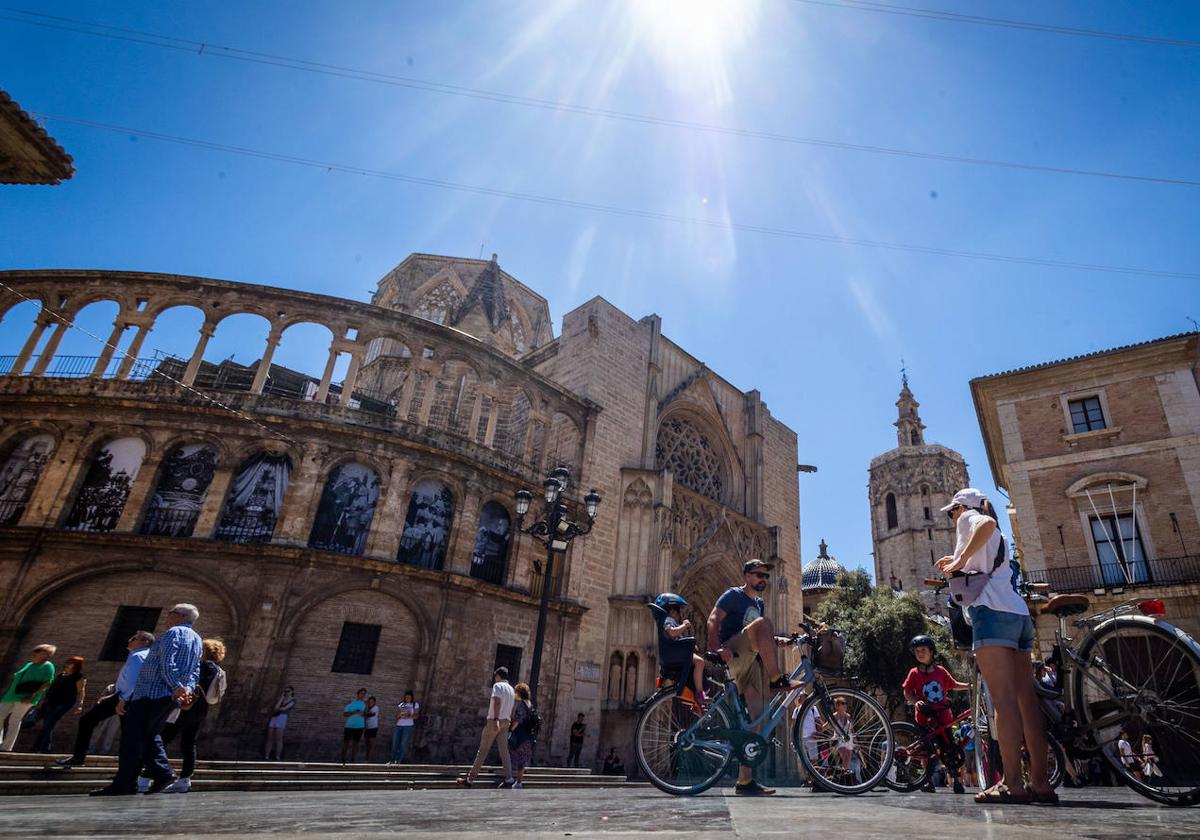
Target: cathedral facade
point(908, 485)
point(363, 532)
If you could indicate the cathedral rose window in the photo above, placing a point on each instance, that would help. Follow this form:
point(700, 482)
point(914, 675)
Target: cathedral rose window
point(691, 458)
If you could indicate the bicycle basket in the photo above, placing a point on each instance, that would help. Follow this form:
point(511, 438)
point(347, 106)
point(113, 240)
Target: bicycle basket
point(830, 652)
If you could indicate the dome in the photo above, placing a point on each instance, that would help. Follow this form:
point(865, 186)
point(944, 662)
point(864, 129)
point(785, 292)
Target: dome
point(821, 573)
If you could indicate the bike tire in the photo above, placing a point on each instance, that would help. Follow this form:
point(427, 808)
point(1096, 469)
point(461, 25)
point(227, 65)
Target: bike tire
point(913, 770)
point(679, 772)
point(869, 722)
point(1136, 649)
point(988, 765)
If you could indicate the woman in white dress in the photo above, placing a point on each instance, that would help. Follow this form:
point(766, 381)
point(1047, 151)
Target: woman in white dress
point(278, 723)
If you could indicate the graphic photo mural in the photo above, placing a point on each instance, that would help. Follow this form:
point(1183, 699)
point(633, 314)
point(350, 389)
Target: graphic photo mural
point(427, 526)
point(346, 509)
point(106, 486)
point(19, 475)
point(255, 498)
point(491, 543)
point(181, 489)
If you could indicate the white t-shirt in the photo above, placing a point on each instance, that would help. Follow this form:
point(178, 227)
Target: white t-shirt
point(506, 694)
point(372, 717)
point(1000, 594)
point(408, 711)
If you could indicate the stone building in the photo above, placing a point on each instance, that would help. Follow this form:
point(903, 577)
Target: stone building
point(908, 485)
point(1100, 456)
point(28, 155)
point(362, 532)
point(818, 577)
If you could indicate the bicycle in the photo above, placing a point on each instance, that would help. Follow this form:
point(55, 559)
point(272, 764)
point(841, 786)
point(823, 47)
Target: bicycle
point(915, 749)
point(1127, 670)
point(684, 751)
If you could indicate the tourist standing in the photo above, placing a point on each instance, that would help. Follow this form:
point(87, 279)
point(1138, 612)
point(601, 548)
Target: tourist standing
point(578, 733)
point(406, 717)
point(24, 690)
point(278, 722)
point(354, 724)
point(498, 716)
point(371, 729)
point(66, 693)
point(165, 680)
point(1003, 640)
point(138, 646)
point(522, 733)
point(210, 690)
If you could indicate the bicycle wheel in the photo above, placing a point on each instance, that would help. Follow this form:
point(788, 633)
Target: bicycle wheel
point(987, 749)
point(910, 758)
point(674, 760)
point(1144, 680)
point(854, 760)
point(1055, 762)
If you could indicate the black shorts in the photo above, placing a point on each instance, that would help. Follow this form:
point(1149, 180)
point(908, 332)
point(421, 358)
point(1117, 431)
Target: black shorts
point(354, 735)
point(370, 732)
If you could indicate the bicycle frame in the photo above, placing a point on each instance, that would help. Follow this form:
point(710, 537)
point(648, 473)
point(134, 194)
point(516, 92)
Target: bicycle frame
point(927, 738)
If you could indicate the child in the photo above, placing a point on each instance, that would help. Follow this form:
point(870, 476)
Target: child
point(676, 631)
point(928, 686)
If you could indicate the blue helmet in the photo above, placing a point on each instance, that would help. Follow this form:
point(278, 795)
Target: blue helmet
point(669, 599)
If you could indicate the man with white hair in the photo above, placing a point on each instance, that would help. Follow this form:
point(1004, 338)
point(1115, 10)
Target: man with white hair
point(166, 680)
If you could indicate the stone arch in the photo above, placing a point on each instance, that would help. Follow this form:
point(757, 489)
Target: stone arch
point(1116, 478)
point(22, 458)
point(454, 392)
point(314, 636)
point(181, 487)
point(346, 508)
point(439, 298)
point(493, 542)
point(703, 583)
point(106, 483)
point(564, 443)
point(688, 446)
point(512, 424)
point(891, 513)
point(428, 524)
point(253, 503)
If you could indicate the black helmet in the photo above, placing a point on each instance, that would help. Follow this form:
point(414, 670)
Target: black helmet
point(923, 640)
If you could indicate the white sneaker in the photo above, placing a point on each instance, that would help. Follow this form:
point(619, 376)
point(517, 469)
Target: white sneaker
point(143, 784)
point(181, 785)
point(519, 786)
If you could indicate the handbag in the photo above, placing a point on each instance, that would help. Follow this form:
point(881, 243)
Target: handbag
point(966, 587)
point(27, 687)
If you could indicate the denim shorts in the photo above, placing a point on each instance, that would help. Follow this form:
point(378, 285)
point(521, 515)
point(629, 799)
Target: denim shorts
point(994, 628)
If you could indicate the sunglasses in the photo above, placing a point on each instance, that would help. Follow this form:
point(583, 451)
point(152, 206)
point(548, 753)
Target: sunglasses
point(761, 575)
point(950, 513)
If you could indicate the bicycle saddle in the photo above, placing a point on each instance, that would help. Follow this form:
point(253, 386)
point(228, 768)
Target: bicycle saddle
point(1066, 605)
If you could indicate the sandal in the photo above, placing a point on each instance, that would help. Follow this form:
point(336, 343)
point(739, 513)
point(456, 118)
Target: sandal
point(1000, 795)
point(1047, 798)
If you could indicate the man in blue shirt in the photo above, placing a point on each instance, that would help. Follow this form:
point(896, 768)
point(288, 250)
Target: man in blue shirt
point(138, 646)
point(166, 680)
point(745, 638)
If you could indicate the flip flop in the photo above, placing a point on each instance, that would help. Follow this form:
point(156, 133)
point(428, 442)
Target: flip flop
point(1000, 795)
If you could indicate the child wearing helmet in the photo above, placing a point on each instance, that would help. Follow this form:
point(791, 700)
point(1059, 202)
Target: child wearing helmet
point(928, 687)
point(678, 642)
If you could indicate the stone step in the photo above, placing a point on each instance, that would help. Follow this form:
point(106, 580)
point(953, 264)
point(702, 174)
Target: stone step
point(226, 774)
point(73, 787)
point(39, 760)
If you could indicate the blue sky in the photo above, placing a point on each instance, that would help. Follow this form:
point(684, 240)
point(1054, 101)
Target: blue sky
point(818, 327)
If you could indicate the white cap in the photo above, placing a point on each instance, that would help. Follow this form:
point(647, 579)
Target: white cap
point(967, 497)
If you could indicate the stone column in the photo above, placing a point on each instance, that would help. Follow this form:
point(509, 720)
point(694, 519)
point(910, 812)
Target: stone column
point(388, 524)
point(143, 485)
point(214, 501)
point(110, 347)
point(476, 412)
point(40, 323)
point(407, 390)
point(351, 377)
point(53, 490)
point(135, 347)
point(207, 329)
point(429, 395)
point(303, 490)
point(264, 364)
point(47, 354)
point(327, 376)
point(489, 435)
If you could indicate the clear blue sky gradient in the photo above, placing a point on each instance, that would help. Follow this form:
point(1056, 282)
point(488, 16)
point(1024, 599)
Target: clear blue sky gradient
point(820, 328)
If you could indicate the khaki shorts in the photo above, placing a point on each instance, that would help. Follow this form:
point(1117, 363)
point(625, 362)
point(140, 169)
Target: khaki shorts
point(746, 667)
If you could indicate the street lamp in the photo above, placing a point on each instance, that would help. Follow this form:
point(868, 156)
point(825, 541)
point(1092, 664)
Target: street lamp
point(555, 530)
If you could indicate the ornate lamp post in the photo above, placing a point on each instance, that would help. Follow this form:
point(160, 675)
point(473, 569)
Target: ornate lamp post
point(554, 530)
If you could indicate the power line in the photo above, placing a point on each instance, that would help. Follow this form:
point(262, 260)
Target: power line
point(615, 210)
point(1008, 23)
point(206, 49)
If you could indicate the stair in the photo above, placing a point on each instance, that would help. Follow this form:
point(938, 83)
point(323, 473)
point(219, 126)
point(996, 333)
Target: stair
point(22, 774)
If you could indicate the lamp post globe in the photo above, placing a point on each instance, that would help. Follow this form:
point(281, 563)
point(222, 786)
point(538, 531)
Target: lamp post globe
point(524, 499)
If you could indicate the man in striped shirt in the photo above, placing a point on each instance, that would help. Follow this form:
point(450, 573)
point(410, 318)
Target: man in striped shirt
point(166, 680)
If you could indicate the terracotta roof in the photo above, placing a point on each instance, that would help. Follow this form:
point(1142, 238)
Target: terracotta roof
point(1092, 355)
point(28, 155)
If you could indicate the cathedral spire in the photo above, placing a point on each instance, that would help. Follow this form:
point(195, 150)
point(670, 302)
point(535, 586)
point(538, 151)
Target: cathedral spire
point(910, 431)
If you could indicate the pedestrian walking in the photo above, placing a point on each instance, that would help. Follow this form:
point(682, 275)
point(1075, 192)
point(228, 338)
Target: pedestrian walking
point(165, 680)
point(407, 713)
point(105, 709)
point(24, 690)
point(1150, 768)
point(578, 733)
point(210, 690)
point(1003, 640)
point(495, 729)
point(107, 731)
point(371, 729)
point(522, 733)
point(277, 725)
point(353, 724)
point(65, 694)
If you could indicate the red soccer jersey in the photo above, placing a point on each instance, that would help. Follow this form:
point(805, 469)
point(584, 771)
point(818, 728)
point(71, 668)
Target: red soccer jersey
point(933, 686)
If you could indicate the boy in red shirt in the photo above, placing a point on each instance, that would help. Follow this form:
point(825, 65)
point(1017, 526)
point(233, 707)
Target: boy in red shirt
point(928, 686)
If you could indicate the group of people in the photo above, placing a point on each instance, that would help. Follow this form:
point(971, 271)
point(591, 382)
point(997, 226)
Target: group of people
point(511, 724)
point(1143, 762)
point(361, 718)
point(38, 694)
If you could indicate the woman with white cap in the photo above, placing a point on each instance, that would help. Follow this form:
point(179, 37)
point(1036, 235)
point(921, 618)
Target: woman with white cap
point(1003, 640)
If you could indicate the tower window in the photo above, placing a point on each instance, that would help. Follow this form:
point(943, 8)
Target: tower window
point(914, 438)
point(892, 518)
point(924, 490)
point(928, 517)
point(1086, 414)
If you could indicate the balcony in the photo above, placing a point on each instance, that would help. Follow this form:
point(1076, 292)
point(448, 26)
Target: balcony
point(1162, 571)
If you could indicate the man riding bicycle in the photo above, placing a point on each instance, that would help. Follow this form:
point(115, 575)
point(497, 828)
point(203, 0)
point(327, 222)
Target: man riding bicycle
point(745, 639)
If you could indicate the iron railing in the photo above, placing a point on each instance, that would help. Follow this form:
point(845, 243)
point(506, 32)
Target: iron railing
point(490, 569)
point(169, 522)
point(81, 367)
point(10, 512)
point(1160, 571)
point(246, 528)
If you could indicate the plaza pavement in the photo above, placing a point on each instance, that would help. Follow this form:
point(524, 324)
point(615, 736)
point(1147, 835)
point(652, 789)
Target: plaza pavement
point(609, 814)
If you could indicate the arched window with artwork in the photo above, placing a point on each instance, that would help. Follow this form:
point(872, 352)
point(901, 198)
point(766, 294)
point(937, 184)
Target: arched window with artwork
point(19, 475)
point(692, 456)
point(255, 498)
point(893, 518)
point(346, 509)
point(490, 556)
point(427, 526)
point(106, 486)
point(182, 485)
